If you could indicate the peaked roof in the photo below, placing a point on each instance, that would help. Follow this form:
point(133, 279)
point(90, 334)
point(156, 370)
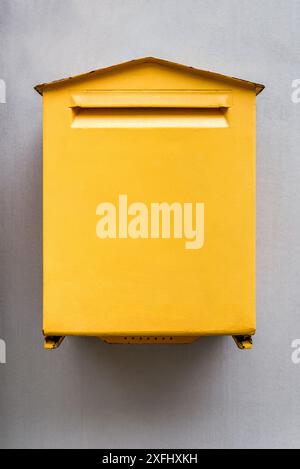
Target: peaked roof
point(258, 87)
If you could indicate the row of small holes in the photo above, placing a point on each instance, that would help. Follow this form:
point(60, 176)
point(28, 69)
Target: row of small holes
point(148, 338)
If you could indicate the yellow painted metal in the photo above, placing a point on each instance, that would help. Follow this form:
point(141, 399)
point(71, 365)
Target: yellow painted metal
point(151, 339)
point(151, 98)
point(52, 342)
point(134, 136)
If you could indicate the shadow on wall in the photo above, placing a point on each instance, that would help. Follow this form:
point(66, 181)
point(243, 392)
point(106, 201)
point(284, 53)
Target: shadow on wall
point(151, 376)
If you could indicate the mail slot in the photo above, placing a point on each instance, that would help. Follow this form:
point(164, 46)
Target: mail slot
point(149, 205)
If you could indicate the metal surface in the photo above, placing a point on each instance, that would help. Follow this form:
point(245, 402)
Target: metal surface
point(149, 203)
point(213, 75)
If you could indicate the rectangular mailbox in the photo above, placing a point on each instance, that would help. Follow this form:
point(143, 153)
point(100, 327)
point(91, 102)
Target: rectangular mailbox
point(149, 205)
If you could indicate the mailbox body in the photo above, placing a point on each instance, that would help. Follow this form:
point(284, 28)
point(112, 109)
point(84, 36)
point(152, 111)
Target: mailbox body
point(148, 132)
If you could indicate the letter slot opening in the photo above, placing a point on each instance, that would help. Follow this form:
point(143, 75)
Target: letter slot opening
point(148, 117)
point(146, 109)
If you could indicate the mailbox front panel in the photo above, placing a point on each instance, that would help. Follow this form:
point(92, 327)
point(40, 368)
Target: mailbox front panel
point(149, 204)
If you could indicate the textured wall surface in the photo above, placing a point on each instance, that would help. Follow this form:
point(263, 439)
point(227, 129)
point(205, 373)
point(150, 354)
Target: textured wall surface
point(207, 394)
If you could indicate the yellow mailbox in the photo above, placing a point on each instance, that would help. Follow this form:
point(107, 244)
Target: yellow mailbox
point(149, 205)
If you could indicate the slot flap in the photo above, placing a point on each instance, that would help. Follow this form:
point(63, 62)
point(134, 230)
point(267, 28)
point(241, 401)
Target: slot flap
point(153, 99)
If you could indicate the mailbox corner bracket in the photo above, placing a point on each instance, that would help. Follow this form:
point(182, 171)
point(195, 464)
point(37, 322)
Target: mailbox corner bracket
point(244, 342)
point(52, 341)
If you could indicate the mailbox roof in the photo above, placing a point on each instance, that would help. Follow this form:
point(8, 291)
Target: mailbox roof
point(41, 87)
